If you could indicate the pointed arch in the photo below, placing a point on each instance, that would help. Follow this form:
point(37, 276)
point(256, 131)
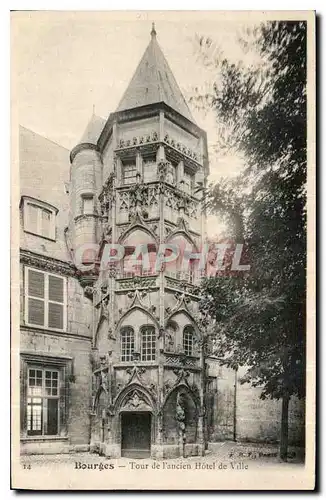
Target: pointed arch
point(140, 225)
point(139, 237)
point(184, 387)
point(186, 312)
point(184, 234)
point(135, 397)
point(182, 396)
point(132, 310)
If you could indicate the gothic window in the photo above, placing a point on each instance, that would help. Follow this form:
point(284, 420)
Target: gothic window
point(128, 262)
point(150, 267)
point(148, 343)
point(188, 340)
point(144, 265)
point(39, 217)
point(45, 299)
point(127, 337)
point(42, 401)
point(129, 172)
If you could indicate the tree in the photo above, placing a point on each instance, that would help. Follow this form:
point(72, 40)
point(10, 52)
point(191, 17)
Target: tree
point(260, 317)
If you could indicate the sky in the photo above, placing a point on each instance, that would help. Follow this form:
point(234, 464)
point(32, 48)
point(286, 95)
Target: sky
point(69, 64)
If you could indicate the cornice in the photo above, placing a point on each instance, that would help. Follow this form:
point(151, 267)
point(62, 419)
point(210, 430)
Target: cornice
point(86, 216)
point(80, 147)
point(148, 111)
point(45, 263)
point(55, 333)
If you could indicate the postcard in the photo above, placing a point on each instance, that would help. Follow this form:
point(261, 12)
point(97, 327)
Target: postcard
point(163, 250)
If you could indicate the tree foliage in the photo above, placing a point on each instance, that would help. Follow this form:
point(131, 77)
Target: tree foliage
point(260, 316)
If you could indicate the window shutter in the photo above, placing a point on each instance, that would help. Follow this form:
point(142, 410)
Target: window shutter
point(56, 289)
point(52, 417)
point(45, 300)
point(35, 299)
point(36, 312)
point(36, 284)
point(55, 315)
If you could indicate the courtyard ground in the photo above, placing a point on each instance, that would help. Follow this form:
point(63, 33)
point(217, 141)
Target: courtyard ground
point(224, 466)
point(253, 454)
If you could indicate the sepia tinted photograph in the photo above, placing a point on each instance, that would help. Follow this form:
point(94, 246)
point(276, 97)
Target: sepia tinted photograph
point(163, 249)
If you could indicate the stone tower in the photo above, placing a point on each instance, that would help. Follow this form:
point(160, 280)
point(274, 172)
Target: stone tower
point(135, 183)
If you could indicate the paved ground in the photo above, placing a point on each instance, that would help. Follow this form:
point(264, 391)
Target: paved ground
point(251, 454)
point(224, 467)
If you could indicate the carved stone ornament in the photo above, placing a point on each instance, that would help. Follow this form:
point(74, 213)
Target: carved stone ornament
point(138, 196)
point(165, 171)
point(169, 341)
point(135, 374)
point(182, 376)
point(112, 272)
point(136, 401)
point(167, 387)
point(89, 292)
point(47, 264)
point(111, 334)
point(105, 380)
point(180, 414)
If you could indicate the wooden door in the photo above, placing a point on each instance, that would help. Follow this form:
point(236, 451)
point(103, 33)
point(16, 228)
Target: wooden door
point(135, 435)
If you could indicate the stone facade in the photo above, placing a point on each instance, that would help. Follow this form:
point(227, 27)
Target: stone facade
point(127, 348)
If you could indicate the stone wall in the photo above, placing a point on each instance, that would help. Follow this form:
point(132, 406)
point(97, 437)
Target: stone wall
point(79, 397)
point(256, 420)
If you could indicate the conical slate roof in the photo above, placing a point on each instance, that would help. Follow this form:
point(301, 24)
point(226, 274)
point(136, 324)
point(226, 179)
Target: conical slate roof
point(153, 81)
point(93, 129)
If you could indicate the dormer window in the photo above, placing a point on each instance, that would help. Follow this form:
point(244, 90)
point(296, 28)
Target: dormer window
point(39, 217)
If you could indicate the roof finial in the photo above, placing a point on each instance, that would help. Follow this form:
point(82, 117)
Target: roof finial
point(153, 32)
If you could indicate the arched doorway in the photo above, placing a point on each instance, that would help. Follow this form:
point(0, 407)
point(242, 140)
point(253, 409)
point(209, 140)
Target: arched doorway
point(182, 396)
point(136, 422)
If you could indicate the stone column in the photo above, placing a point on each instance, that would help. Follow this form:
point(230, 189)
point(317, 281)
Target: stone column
point(201, 438)
point(157, 447)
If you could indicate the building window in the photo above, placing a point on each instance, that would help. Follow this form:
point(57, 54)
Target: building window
point(144, 265)
point(127, 343)
point(129, 172)
point(188, 340)
point(39, 218)
point(188, 183)
point(149, 169)
point(148, 343)
point(43, 401)
point(87, 204)
point(45, 299)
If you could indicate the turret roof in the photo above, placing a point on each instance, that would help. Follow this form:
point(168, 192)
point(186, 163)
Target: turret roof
point(93, 129)
point(153, 82)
